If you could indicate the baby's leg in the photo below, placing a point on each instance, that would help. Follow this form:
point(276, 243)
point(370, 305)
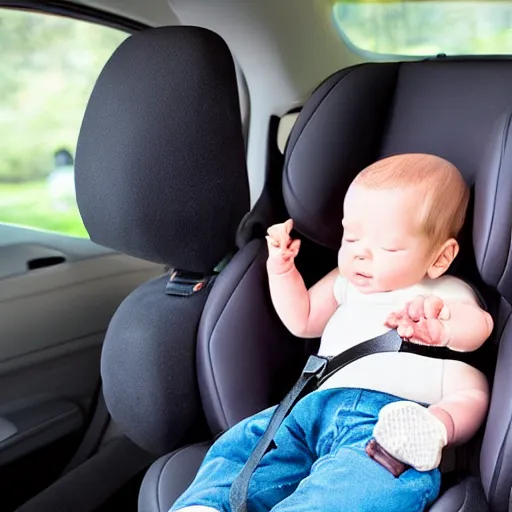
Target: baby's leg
point(210, 489)
point(464, 404)
point(198, 508)
point(277, 476)
point(351, 480)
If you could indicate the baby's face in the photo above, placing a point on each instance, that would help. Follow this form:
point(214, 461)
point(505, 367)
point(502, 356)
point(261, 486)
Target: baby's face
point(383, 246)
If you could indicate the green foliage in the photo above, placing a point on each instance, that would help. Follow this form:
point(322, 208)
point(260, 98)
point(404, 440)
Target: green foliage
point(426, 28)
point(29, 204)
point(48, 67)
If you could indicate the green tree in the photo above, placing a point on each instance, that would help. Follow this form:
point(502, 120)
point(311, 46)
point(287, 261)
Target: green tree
point(48, 67)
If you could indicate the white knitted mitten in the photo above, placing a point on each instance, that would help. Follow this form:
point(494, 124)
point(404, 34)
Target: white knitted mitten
point(411, 434)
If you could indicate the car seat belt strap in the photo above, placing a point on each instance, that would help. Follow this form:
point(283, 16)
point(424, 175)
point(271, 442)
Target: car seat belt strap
point(316, 371)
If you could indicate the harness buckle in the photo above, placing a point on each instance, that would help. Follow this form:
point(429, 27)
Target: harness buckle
point(315, 365)
point(183, 283)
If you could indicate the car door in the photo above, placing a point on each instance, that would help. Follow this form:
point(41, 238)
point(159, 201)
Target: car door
point(58, 290)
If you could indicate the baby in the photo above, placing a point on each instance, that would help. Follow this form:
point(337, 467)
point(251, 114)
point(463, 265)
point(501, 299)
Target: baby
point(401, 219)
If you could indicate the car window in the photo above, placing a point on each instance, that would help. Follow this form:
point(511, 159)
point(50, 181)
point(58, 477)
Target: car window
point(286, 124)
point(426, 28)
point(48, 67)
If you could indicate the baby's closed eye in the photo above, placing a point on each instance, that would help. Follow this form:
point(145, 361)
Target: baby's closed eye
point(392, 249)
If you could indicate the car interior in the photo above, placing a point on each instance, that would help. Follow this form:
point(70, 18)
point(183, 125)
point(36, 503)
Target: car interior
point(126, 352)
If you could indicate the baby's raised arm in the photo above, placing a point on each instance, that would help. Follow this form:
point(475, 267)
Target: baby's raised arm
point(304, 312)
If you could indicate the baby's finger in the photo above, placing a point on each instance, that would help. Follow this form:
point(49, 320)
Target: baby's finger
point(275, 230)
point(284, 236)
point(437, 332)
point(392, 317)
point(416, 308)
point(288, 226)
point(294, 247)
point(433, 306)
point(397, 317)
point(404, 312)
point(444, 314)
point(274, 252)
point(391, 321)
point(272, 241)
point(405, 330)
point(430, 332)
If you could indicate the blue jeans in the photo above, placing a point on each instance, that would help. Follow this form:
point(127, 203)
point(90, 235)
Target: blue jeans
point(319, 464)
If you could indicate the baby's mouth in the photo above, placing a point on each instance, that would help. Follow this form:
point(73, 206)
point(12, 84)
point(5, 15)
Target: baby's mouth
point(363, 274)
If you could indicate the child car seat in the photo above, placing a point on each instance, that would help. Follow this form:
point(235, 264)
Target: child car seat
point(161, 174)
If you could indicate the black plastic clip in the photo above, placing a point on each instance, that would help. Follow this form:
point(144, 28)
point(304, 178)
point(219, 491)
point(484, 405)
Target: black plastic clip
point(315, 365)
point(184, 283)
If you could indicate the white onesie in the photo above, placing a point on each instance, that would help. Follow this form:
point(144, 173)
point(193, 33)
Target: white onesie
point(361, 317)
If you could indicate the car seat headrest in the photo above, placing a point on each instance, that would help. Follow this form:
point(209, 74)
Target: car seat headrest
point(492, 224)
point(336, 135)
point(160, 164)
point(371, 111)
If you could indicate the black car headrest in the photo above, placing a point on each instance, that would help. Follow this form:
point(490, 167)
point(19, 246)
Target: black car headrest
point(455, 109)
point(160, 164)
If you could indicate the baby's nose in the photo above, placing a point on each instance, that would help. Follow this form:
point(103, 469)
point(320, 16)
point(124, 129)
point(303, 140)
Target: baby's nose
point(362, 254)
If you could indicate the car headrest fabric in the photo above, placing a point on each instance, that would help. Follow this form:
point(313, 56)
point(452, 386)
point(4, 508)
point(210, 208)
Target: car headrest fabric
point(160, 164)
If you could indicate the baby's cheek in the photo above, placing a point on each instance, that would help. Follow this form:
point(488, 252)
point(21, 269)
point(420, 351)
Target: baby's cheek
point(402, 276)
point(390, 277)
point(345, 267)
point(341, 259)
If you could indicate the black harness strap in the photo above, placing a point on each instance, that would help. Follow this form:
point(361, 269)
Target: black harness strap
point(317, 371)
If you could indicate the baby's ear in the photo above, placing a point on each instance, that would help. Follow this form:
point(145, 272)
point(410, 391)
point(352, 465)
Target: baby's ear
point(443, 259)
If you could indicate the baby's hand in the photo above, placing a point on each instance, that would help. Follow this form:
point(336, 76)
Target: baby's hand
point(282, 250)
point(421, 321)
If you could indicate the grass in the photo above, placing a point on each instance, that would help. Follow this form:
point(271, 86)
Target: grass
point(29, 205)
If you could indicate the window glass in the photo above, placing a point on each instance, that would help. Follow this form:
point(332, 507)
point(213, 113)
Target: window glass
point(286, 124)
point(426, 28)
point(48, 67)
